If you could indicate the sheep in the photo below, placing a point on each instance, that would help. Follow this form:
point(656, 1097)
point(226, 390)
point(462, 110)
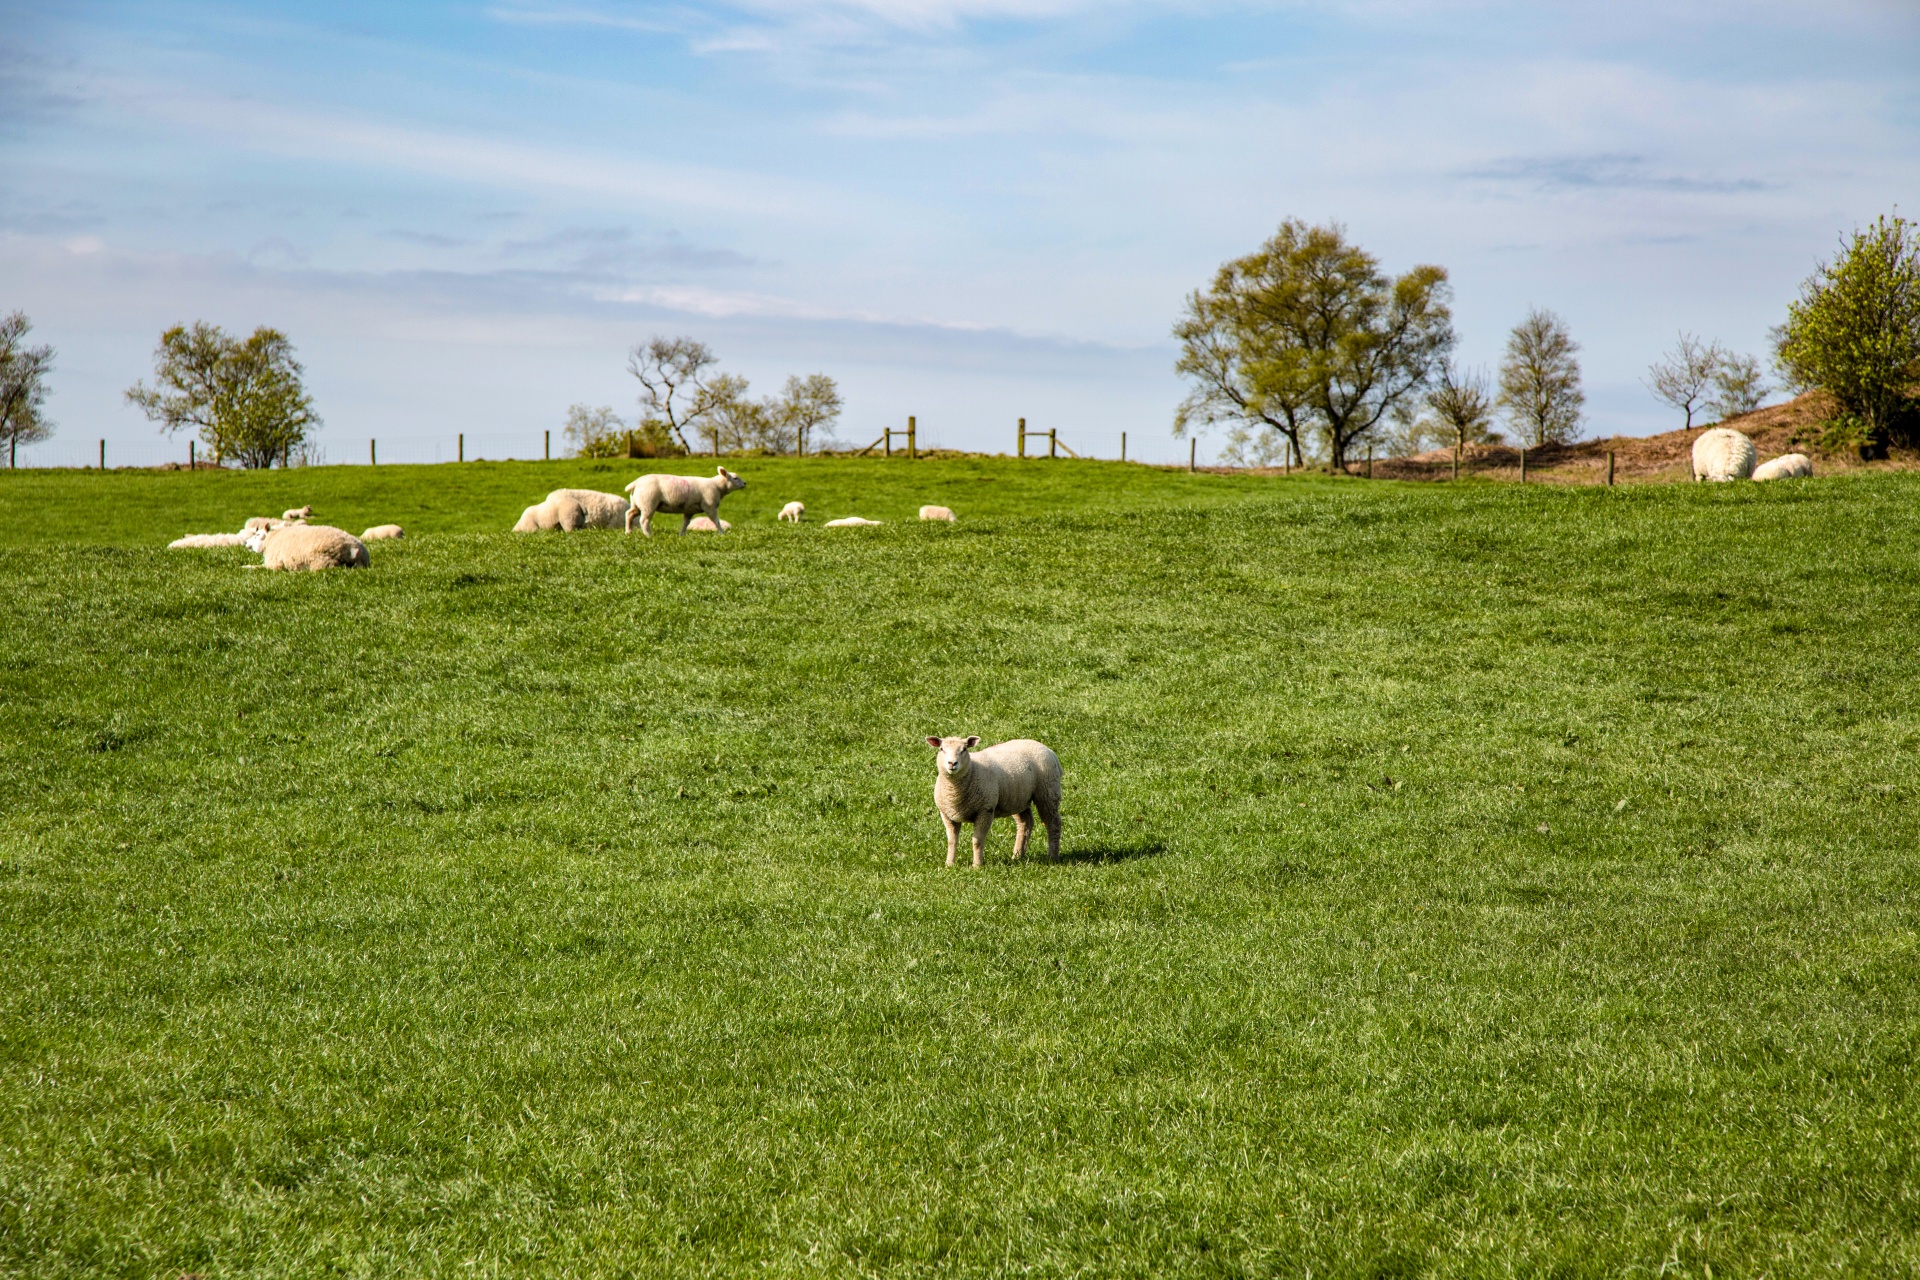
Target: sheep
point(1009, 780)
point(939, 513)
point(686, 496)
point(308, 546)
point(1788, 466)
point(199, 541)
point(793, 512)
point(255, 524)
point(1722, 454)
point(297, 513)
point(849, 522)
point(383, 533)
point(700, 524)
point(570, 509)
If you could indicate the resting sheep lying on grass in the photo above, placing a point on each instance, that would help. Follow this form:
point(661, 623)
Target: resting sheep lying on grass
point(200, 541)
point(700, 524)
point(383, 532)
point(1009, 780)
point(793, 512)
point(848, 522)
point(687, 496)
point(1722, 454)
point(1788, 466)
point(939, 513)
point(571, 509)
point(308, 547)
point(297, 513)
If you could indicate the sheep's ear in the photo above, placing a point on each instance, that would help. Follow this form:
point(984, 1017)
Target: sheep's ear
point(973, 740)
point(932, 741)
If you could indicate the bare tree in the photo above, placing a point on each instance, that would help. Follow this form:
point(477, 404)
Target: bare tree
point(1738, 386)
point(1462, 402)
point(595, 433)
point(1683, 376)
point(808, 409)
point(23, 386)
point(671, 387)
point(1540, 380)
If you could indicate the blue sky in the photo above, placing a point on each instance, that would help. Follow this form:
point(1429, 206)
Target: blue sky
point(967, 210)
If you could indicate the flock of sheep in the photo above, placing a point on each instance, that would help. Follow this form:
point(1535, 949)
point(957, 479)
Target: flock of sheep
point(696, 499)
point(1726, 454)
point(290, 542)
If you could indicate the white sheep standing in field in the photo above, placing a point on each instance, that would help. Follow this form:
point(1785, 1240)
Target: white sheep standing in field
point(793, 512)
point(383, 533)
point(700, 524)
point(1723, 454)
point(1788, 466)
point(848, 522)
point(201, 541)
point(939, 513)
point(1009, 780)
point(309, 547)
point(687, 496)
point(571, 509)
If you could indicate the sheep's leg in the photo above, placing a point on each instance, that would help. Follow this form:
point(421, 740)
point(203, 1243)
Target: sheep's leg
point(1050, 814)
point(713, 514)
point(981, 825)
point(1022, 832)
point(953, 838)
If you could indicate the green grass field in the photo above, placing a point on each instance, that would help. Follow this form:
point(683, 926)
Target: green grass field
point(1460, 880)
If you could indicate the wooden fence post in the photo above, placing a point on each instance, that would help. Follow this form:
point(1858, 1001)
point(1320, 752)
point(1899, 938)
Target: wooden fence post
point(1053, 442)
point(1457, 446)
point(373, 453)
point(546, 446)
point(1523, 464)
point(463, 446)
point(1369, 462)
point(1123, 446)
point(1609, 468)
point(1023, 437)
point(913, 442)
point(1193, 452)
point(191, 460)
point(103, 455)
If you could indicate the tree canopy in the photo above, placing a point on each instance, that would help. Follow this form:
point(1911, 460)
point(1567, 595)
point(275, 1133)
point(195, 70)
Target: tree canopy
point(23, 385)
point(245, 398)
point(1540, 380)
point(1307, 340)
point(1855, 328)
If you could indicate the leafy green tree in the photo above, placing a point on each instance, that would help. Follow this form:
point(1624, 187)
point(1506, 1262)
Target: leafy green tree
point(244, 398)
point(23, 386)
point(1738, 386)
point(1854, 331)
point(1540, 380)
point(1308, 340)
point(595, 432)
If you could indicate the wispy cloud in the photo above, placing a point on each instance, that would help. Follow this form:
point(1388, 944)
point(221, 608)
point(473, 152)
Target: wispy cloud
point(1607, 171)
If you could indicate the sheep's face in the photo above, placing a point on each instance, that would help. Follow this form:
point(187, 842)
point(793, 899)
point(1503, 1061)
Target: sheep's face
point(256, 540)
point(954, 760)
point(733, 481)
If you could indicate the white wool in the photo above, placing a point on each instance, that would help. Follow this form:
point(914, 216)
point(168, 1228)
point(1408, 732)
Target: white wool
point(686, 496)
point(1013, 779)
point(257, 524)
point(938, 513)
point(700, 524)
point(309, 547)
point(793, 512)
point(1723, 454)
point(602, 510)
point(383, 532)
point(1788, 466)
point(297, 513)
point(195, 541)
point(849, 522)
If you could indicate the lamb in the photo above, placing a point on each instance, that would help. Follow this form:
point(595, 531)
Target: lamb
point(686, 496)
point(297, 513)
point(200, 541)
point(700, 524)
point(383, 533)
point(849, 522)
point(793, 512)
point(256, 524)
point(1722, 454)
point(308, 546)
point(939, 513)
point(1009, 780)
point(1788, 466)
point(570, 509)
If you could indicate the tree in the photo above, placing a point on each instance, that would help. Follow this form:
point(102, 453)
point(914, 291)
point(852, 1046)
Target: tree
point(728, 419)
point(669, 371)
point(1462, 404)
point(1683, 376)
point(23, 386)
point(1738, 387)
point(244, 398)
point(595, 433)
point(808, 408)
point(1855, 328)
point(1308, 338)
point(1540, 380)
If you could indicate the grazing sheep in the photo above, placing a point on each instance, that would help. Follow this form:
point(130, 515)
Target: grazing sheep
point(700, 524)
point(849, 522)
point(298, 513)
point(1009, 780)
point(383, 533)
point(571, 509)
point(308, 546)
point(199, 541)
point(1788, 466)
point(1722, 454)
point(939, 513)
point(793, 512)
point(687, 496)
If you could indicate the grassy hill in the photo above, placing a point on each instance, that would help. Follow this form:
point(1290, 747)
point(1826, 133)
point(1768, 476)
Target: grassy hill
point(1459, 879)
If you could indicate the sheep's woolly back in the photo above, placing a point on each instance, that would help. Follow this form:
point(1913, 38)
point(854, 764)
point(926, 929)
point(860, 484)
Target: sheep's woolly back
point(297, 513)
point(1788, 466)
point(1723, 454)
point(197, 541)
point(383, 532)
point(700, 524)
point(601, 510)
point(312, 547)
point(793, 512)
point(848, 522)
point(938, 513)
